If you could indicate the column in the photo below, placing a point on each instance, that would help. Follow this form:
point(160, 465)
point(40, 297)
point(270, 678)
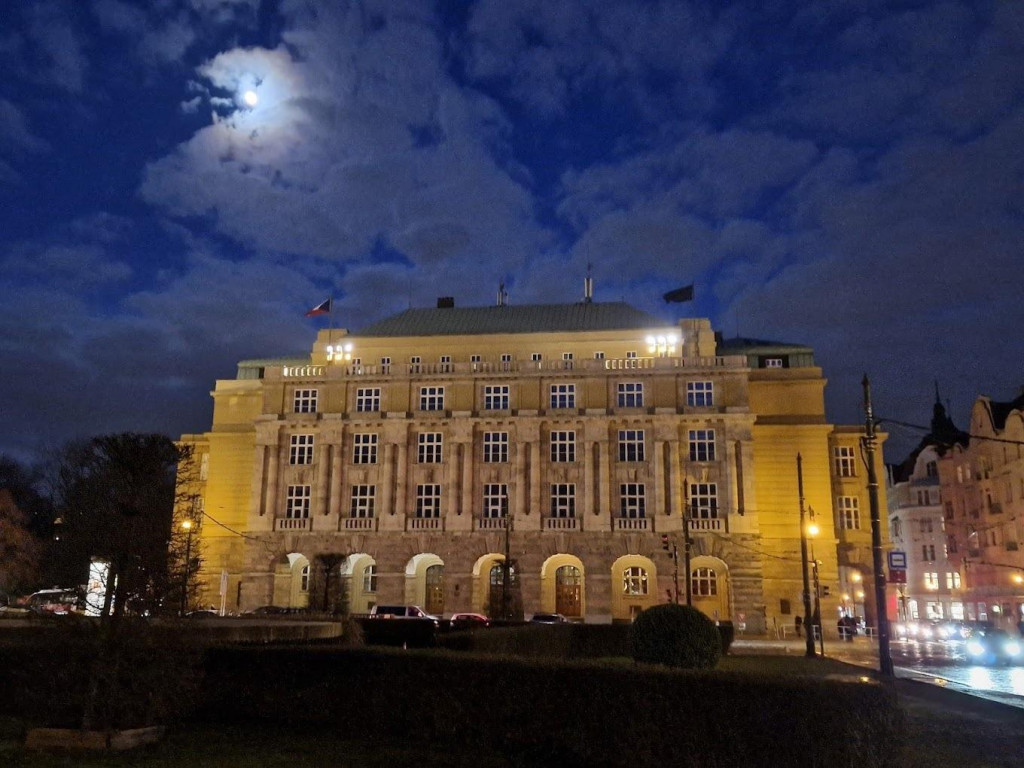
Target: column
point(520, 478)
point(323, 473)
point(658, 478)
point(535, 499)
point(400, 481)
point(466, 459)
point(587, 503)
point(387, 476)
point(336, 479)
point(270, 500)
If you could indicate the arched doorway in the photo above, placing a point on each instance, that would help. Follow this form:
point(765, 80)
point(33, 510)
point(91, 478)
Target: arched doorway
point(434, 590)
point(359, 575)
point(709, 588)
point(292, 575)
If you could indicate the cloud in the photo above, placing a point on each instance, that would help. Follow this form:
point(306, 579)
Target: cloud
point(14, 131)
point(59, 58)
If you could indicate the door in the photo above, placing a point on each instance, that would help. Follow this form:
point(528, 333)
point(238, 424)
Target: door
point(435, 590)
point(568, 588)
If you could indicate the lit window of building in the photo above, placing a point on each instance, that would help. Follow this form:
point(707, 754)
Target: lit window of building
point(634, 581)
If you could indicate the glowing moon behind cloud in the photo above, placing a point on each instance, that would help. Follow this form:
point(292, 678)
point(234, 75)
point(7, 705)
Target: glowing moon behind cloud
point(251, 98)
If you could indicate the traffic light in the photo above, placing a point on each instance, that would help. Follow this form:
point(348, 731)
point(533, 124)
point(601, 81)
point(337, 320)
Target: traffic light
point(664, 542)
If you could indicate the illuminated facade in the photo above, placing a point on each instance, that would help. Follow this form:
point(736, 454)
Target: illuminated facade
point(982, 483)
point(594, 427)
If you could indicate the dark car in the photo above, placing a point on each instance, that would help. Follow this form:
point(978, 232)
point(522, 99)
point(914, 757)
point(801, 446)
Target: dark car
point(993, 646)
point(549, 618)
point(468, 621)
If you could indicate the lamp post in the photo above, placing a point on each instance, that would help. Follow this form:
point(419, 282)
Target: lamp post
point(808, 625)
point(813, 530)
point(186, 525)
point(506, 569)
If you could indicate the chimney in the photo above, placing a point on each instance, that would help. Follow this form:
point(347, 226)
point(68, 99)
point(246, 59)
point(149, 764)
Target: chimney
point(502, 294)
point(445, 302)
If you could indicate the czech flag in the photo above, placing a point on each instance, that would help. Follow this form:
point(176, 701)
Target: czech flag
point(323, 308)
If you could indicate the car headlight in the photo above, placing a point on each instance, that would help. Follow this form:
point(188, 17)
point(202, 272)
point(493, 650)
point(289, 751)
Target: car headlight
point(1012, 648)
point(975, 648)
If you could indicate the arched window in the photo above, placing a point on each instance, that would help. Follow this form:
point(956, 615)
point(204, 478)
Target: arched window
point(370, 578)
point(634, 581)
point(304, 579)
point(704, 583)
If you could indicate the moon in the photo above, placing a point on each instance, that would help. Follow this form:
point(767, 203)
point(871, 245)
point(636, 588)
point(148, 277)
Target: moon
point(251, 98)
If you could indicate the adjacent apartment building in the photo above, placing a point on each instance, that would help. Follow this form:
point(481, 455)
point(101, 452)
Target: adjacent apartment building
point(420, 449)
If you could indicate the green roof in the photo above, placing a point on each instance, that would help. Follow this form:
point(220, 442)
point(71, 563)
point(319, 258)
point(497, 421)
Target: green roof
point(530, 318)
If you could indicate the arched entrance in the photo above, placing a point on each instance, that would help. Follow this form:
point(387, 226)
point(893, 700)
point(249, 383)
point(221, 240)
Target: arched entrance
point(563, 586)
point(709, 587)
point(292, 575)
point(359, 575)
point(424, 583)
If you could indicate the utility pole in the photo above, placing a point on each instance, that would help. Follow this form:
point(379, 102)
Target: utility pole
point(884, 656)
point(813, 530)
point(187, 527)
point(808, 622)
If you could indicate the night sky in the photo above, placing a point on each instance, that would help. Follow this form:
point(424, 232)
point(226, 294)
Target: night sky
point(847, 175)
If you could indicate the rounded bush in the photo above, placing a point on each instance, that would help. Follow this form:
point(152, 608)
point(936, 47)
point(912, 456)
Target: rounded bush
point(677, 636)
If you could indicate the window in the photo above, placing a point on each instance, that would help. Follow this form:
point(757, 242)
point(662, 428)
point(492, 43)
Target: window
point(634, 581)
point(429, 449)
point(928, 553)
point(896, 528)
point(931, 580)
point(298, 501)
point(414, 364)
point(700, 394)
point(563, 500)
point(703, 501)
point(567, 358)
point(446, 363)
point(428, 500)
point(773, 362)
point(496, 397)
point(931, 469)
point(702, 445)
point(631, 355)
point(368, 400)
point(922, 501)
point(305, 400)
point(563, 395)
point(495, 447)
point(364, 448)
point(300, 450)
point(370, 578)
point(563, 446)
point(475, 360)
point(844, 461)
point(631, 445)
point(536, 357)
point(631, 394)
point(385, 367)
point(495, 500)
point(704, 583)
point(363, 497)
point(849, 512)
point(949, 510)
point(431, 398)
point(951, 544)
point(952, 580)
point(926, 525)
point(599, 355)
point(304, 578)
point(632, 500)
point(506, 362)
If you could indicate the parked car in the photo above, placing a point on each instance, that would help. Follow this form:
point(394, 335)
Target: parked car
point(468, 621)
point(402, 612)
point(55, 602)
point(273, 610)
point(993, 646)
point(549, 618)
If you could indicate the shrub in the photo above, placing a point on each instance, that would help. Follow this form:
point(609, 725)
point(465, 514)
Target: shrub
point(676, 636)
point(561, 641)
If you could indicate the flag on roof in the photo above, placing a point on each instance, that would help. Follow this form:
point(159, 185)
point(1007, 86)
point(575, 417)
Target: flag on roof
point(679, 294)
point(323, 308)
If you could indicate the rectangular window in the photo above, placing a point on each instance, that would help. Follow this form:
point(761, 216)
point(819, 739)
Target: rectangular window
point(428, 500)
point(370, 578)
point(364, 448)
point(431, 398)
point(631, 394)
point(429, 449)
point(496, 397)
point(703, 501)
point(536, 357)
point(563, 500)
point(563, 395)
point(599, 355)
point(700, 394)
point(702, 445)
point(926, 525)
point(300, 449)
point(567, 358)
point(845, 463)
point(385, 365)
point(363, 497)
point(414, 364)
point(305, 400)
point(563, 446)
point(849, 512)
point(773, 362)
point(631, 355)
point(928, 553)
point(495, 500)
point(446, 363)
point(368, 400)
point(495, 447)
point(632, 500)
point(298, 501)
point(631, 445)
point(952, 580)
point(931, 580)
point(506, 362)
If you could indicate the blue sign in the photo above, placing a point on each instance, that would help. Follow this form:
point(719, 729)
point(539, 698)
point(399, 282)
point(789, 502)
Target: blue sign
point(897, 560)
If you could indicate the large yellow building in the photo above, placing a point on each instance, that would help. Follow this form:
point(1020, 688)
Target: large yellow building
point(597, 429)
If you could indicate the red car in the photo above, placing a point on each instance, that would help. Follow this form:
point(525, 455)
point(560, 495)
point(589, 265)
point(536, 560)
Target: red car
point(468, 621)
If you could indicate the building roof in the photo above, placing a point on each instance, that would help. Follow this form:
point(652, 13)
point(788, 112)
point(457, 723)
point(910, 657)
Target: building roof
point(529, 318)
point(1001, 410)
point(742, 346)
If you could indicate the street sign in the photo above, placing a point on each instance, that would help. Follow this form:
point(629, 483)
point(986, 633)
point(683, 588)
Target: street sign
point(898, 560)
point(897, 576)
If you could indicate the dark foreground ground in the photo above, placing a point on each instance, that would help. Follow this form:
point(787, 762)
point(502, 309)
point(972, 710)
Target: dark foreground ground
point(946, 729)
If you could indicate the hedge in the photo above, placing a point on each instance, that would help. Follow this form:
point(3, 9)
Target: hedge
point(549, 712)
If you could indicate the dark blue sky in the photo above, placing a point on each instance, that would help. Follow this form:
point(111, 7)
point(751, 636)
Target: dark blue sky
point(846, 175)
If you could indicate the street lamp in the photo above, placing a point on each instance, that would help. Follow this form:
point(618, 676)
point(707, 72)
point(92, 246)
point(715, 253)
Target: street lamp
point(813, 530)
point(808, 624)
point(186, 525)
point(506, 568)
